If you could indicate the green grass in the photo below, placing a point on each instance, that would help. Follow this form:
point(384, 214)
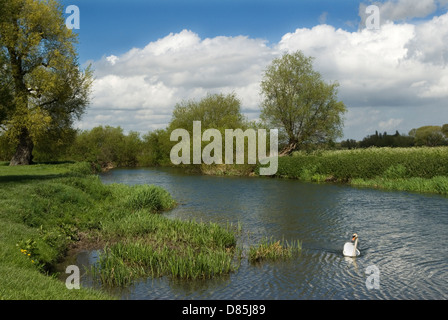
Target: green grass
point(271, 250)
point(41, 214)
point(437, 185)
point(153, 246)
point(146, 197)
point(46, 208)
point(410, 169)
point(123, 263)
point(25, 283)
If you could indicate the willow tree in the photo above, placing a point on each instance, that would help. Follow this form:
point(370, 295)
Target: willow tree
point(44, 89)
point(298, 102)
point(217, 111)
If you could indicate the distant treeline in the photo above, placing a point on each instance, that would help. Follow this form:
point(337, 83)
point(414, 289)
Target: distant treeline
point(428, 136)
point(107, 146)
point(111, 146)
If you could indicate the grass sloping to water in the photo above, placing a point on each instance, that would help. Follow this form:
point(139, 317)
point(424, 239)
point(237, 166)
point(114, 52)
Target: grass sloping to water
point(44, 209)
point(41, 211)
point(437, 185)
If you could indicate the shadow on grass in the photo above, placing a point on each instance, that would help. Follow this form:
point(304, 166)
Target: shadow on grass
point(23, 178)
point(33, 176)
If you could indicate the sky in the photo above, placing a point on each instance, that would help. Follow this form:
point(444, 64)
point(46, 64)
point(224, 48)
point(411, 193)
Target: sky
point(149, 55)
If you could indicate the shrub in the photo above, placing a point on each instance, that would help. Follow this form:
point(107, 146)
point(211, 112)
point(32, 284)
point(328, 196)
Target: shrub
point(395, 172)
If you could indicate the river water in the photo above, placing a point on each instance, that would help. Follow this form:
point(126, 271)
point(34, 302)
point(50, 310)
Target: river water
point(403, 238)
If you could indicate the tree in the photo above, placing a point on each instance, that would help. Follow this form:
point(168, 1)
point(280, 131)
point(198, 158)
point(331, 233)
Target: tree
point(44, 89)
point(384, 140)
point(445, 130)
point(52, 147)
point(299, 103)
point(156, 147)
point(216, 111)
point(349, 144)
point(107, 146)
point(430, 136)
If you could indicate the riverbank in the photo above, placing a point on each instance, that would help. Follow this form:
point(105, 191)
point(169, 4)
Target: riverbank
point(401, 169)
point(42, 211)
point(47, 209)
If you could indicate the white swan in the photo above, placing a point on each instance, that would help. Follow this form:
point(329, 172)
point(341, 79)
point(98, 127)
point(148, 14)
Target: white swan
point(350, 248)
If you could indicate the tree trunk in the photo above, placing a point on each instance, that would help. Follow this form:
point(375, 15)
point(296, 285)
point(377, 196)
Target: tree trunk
point(24, 151)
point(288, 149)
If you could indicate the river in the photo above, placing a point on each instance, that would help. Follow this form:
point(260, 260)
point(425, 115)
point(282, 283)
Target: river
point(403, 238)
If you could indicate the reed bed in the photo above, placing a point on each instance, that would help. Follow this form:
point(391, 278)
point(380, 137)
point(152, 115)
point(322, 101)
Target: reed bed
point(367, 163)
point(271, 250)
point(437, 185)
point(155, 246)
point(123, 263)
point(412, 169)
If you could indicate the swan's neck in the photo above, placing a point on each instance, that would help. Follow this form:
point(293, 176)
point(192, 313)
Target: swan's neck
point(356, 245)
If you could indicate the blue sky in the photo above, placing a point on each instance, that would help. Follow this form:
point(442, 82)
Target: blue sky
point(150, 55)
point(114, 26)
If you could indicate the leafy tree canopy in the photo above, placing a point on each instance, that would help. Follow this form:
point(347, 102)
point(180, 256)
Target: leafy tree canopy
point(43, 89)
point(299, 103)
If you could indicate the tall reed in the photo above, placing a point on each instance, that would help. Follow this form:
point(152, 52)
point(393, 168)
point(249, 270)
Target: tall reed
point(154, 246)
point(411, 169)
point(271, 250)
point(344, 165)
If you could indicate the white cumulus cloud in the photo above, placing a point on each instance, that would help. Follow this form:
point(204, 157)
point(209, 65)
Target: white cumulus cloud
point(395, 76)
point(400, 10)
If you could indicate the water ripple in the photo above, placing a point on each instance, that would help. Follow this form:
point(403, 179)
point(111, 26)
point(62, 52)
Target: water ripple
point(402, 234)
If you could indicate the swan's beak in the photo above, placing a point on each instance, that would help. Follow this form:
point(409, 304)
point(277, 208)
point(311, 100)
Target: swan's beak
point(354, 238)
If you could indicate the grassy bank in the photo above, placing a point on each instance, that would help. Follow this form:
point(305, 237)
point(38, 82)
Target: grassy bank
point(47, 209)
point(42, 212)
point(407, 169)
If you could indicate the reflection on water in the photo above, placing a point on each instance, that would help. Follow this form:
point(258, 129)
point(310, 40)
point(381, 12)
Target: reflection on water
point(403, 234)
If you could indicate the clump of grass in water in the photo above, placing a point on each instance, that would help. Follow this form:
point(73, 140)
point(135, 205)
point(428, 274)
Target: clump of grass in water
point(272, 250)
point(164, 247)
point(150, 197)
